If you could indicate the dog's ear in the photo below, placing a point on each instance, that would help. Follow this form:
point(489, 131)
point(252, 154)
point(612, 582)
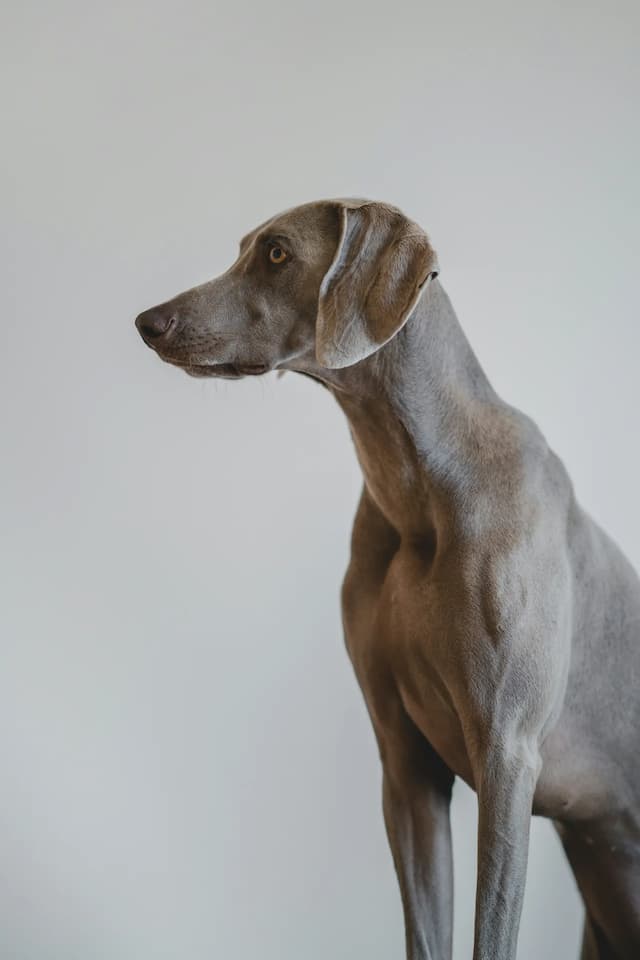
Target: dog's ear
point(382, 264)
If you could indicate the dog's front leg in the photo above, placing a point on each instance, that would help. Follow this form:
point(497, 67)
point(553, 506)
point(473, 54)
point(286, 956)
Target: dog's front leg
point(417, 820)
point(416, 801)
point(506, 779)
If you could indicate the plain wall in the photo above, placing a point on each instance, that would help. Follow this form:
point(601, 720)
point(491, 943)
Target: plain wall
point(187, 765)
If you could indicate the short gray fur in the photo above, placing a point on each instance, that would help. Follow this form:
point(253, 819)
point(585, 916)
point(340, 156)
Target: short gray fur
point(494, 628)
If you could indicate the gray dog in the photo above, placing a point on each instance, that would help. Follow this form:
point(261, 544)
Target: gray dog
point(493, 627)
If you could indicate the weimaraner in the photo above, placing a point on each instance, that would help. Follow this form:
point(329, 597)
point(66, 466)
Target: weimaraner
point(494, 628)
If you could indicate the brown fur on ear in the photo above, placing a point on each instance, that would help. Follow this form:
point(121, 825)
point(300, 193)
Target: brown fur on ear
point(382, 264)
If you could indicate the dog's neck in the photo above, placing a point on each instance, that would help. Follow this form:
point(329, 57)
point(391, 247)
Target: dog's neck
point(429, 430)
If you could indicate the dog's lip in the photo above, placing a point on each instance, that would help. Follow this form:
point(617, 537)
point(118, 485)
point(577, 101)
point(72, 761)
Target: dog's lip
point(229, 371)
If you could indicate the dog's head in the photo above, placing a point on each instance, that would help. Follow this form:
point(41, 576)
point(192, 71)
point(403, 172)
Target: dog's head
point(328, 282)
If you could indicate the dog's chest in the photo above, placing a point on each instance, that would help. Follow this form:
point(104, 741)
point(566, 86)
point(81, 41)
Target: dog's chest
point(400, 649)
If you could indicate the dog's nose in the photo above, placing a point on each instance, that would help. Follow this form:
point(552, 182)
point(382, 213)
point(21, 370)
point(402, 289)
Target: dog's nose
point(155, 323)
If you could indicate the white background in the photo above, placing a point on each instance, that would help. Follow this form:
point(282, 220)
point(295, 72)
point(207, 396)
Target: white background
point(187, 766)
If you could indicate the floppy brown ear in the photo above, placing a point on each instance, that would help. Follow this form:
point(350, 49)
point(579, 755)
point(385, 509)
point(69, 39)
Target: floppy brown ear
point(382, 264)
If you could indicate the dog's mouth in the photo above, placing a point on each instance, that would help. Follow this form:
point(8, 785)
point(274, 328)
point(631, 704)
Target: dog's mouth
point(226, 371)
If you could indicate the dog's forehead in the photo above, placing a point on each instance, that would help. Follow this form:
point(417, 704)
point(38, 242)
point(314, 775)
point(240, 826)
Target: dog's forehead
point(304, 222)
point(312, 224)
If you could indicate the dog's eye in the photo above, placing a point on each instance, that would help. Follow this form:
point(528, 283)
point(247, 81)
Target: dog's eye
point(277, 255)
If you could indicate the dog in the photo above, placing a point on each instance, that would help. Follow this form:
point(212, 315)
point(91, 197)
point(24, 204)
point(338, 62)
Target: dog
point(493, 627)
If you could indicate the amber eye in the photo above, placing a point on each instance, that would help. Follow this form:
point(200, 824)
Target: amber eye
point(277, 255)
